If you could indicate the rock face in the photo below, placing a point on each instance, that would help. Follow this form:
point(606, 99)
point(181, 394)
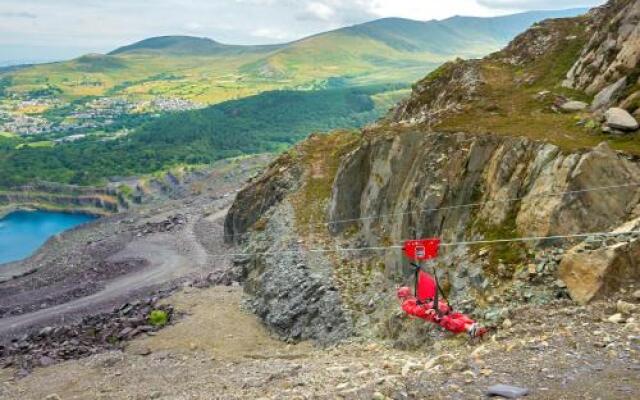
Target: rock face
point(608, 95)
point(612, 53)
point(415, 181)
point(291, 290)
point(269, 189)
point(93, 200)
point(597, 268)
point(618, 118)
point(417, 184)
point(402, 180)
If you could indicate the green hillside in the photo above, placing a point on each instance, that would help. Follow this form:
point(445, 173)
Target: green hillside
point(268, 122)
point(208, 72)
point(177, 100)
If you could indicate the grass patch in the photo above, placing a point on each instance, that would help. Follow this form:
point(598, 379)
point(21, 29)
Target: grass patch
point(508, 102)
point(126, 191)
point(158, 318)
point(502, 253)
point(46, 144)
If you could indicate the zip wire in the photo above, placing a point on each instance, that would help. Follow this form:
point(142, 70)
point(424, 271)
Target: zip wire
point(450, 244)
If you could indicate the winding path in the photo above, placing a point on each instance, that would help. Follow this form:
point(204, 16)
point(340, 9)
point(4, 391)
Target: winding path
point(169, 256)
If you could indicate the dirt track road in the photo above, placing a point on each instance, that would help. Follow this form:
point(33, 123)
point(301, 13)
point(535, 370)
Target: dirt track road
point(168, 257)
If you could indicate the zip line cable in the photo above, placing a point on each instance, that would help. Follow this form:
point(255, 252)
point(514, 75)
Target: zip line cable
point(449, 244)
point(544, 194)
point(468, 205)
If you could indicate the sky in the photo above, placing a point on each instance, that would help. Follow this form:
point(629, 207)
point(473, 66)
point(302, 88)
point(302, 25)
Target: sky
point(46, 30)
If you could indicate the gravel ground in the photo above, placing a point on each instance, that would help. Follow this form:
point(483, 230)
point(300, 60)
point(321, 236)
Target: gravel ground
point(219, 351)
point(91, 269)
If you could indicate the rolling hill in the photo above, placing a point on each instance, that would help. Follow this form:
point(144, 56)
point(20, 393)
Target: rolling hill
point(208, 72)
point(256, 98)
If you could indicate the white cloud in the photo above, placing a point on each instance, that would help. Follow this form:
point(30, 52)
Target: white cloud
point(193, 26)
point(537, 4)
point(320, 11)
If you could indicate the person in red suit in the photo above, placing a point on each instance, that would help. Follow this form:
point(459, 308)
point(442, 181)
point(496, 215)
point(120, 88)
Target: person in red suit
point(452, 321)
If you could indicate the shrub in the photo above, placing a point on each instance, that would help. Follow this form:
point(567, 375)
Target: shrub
point(158, 318)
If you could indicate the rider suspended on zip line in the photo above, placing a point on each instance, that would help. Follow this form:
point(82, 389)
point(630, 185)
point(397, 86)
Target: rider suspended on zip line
point(425, 302)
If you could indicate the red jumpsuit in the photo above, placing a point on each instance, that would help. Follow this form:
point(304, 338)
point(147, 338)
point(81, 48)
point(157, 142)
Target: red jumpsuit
point(453, 322)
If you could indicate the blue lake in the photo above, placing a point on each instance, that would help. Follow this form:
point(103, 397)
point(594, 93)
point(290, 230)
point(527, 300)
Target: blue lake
point(23, 232)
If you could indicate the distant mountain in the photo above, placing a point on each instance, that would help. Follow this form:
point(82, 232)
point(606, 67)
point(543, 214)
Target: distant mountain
point(401, 34)
point(390, 50)
point(186, 45)
point(454, 34)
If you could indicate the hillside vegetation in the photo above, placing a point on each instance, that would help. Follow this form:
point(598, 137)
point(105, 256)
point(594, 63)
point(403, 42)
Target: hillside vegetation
point(205, 71)
point(268, 122)
point(522, 91)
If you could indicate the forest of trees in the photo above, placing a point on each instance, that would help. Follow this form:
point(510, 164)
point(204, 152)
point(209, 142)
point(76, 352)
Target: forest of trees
point(267, 122)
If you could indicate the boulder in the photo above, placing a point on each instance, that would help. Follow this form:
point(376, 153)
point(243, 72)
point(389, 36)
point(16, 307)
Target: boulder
point(574, 106)
point(593, 274)
point(616, 319)
point(624, 307)
point(618, 118)
point(607, 95)
point(507, 391)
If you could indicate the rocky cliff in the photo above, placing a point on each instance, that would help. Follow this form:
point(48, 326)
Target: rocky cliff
point(498, 148)
point(98, 201)
point(609, 65)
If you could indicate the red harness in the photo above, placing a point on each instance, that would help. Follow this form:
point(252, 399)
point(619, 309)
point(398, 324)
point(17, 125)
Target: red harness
point(423, 303)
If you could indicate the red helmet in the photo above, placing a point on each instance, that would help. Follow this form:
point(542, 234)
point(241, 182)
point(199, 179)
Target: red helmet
point(404, 292)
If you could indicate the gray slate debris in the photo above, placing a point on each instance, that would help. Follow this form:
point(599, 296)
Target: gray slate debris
point(507, 391)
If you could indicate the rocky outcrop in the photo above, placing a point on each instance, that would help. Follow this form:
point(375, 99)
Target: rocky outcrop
point(259, 196)
point(414, 182)
point(609, 63)
point(603, 264)
point(420, 184)
point(609, 94)
point(457, 160)
point(463, 187)
point(64, 197)
point(290, 289)
point(534, 43)
point(441, 93)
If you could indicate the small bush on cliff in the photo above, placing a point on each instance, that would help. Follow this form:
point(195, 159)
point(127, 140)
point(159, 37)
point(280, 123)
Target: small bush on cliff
point(158, 318)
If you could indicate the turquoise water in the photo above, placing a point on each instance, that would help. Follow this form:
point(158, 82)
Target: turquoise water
point(23, 232)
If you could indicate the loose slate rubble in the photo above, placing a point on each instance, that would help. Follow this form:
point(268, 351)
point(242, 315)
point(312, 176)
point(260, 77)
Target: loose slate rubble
point(94, 334)
point(507, 391)
point(168, 225)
